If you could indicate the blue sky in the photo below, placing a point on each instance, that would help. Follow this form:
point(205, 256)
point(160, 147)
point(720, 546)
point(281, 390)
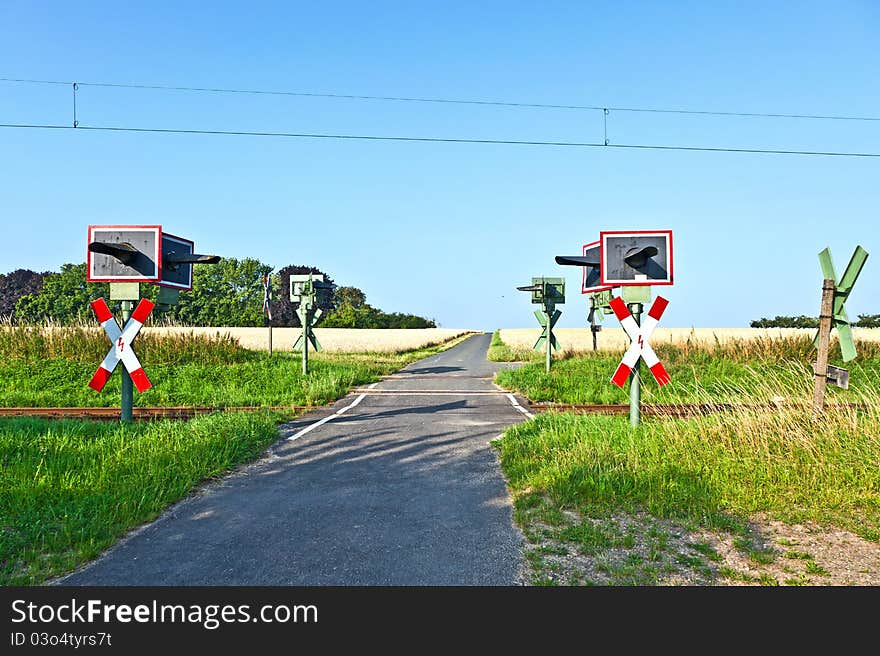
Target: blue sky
point(449, 230)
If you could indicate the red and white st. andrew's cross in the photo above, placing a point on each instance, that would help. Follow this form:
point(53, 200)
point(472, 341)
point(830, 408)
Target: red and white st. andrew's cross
point(121, 349)
point(639, 347)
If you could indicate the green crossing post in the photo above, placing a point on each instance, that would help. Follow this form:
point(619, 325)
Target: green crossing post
point(843, 287)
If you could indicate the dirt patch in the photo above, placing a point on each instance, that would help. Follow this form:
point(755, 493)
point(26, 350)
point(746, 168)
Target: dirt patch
point(565, 548)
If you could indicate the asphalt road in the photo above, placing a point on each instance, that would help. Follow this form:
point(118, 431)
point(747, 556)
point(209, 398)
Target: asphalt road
point(399, 486)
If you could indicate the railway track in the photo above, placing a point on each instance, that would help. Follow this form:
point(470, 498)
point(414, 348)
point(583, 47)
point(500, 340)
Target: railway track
point(142, 413)
point(677, 410)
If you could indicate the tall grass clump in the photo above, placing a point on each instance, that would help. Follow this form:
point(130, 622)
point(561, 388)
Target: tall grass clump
point(724, 372)
point(501, 352)
point(88, 343)
point(715, 470)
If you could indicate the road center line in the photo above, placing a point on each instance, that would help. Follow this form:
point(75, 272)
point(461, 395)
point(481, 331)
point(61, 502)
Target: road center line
point(519, 407)
point(320, 422)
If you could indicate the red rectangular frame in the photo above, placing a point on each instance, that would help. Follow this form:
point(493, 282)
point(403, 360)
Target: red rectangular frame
point(158, 277)
point(602, 234)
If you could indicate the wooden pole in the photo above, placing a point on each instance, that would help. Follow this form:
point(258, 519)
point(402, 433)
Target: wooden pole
point(820, 370)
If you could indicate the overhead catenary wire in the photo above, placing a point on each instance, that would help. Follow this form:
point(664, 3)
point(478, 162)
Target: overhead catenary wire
point(454, 101)
point(367, 137)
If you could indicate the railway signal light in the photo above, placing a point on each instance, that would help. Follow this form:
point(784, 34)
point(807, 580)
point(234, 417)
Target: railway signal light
point(547, 292)
point(308, 291)
point(125, 256)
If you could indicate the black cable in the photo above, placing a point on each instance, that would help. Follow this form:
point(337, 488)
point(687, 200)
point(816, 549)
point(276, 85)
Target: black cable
point(159, 87)
point(364, 137)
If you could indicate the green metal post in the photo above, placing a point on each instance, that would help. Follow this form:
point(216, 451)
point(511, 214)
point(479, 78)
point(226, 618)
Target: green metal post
point(548, 309)
point(635, 381)
point(127, 388)
point(304, 318)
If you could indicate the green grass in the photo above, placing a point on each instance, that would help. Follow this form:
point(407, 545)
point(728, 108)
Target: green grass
point(205, 372)
point(714, 471)
point(812, 567)
point(69, 489)
point(725, 373)
point(501, 352)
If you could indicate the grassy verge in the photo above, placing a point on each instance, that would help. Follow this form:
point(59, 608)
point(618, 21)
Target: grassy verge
point(726, 373)
point(69, 489)
point(186, 370)
point(501, 352)
point(633, 506)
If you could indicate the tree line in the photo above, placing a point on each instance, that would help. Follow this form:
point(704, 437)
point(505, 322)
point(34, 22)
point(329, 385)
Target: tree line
point(229, 293)
point(802, 321)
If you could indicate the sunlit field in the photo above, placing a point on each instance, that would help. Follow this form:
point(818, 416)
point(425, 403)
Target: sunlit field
point(612, 337)
point(332, 340)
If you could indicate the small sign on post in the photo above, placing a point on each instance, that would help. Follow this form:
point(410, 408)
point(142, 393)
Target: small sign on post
point(125, 256)
point(636, 260)
point(306, 290)
point(547, 292)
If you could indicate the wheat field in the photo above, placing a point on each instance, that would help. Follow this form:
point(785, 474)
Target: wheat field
point(332, 340)
point(612, 338)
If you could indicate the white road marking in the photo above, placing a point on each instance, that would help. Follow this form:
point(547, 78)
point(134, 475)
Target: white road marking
point(519, 407)
point(320, 422)
point(372, 386)
point(431, 392)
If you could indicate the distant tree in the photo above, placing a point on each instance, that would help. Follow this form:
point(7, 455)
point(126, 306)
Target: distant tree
point(64, 297)
point(229, 293)
point(283, 310)
point(801, 321)
point(868, 321)
point(13, 286)
point(351, 296)
point(353, 311)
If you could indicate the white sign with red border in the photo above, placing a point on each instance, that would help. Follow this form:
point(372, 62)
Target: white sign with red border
point(148, 240)
point(639, 347)
point(121, 345)
point(655, 268)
